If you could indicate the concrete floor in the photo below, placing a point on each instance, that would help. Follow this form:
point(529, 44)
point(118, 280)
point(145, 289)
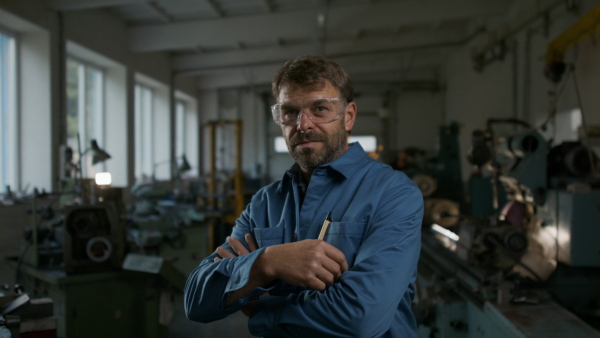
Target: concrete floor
point(234, 326)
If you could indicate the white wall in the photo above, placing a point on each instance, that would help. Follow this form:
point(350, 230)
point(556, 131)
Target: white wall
point(417, 120)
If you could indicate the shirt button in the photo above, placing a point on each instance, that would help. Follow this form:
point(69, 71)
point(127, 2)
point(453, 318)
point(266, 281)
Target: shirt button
point(295, 238)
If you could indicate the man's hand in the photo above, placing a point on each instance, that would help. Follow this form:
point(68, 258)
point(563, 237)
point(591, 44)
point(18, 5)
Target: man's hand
point(237, 246)
point(313, 263)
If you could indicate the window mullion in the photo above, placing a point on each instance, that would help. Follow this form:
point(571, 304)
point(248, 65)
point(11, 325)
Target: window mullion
point(81, 117)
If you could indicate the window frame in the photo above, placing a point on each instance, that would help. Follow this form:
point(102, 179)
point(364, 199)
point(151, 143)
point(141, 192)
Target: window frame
point(144, 130)
point(85, 70)
point(9, 116)
point(180, 128)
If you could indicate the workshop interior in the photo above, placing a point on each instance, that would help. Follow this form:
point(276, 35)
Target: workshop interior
point(133, 133)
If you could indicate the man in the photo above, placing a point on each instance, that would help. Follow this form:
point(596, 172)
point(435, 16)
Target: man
point(359, 280)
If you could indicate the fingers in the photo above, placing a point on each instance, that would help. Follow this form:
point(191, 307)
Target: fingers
point(337, 256)
point(312, 263)
point(318, 284)
point(237, 246)
point(223, 253)
point(333, 268)
point(251, 242)
point(323, 279)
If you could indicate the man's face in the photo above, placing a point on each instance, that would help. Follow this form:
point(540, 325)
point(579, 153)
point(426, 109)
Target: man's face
point(312, 144)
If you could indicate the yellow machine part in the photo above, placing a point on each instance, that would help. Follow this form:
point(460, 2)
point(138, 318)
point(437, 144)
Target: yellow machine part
point(581, 30)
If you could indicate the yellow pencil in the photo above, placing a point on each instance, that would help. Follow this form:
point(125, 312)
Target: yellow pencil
point(325, 226)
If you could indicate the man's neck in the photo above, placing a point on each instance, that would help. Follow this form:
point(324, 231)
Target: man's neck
point(306, 174)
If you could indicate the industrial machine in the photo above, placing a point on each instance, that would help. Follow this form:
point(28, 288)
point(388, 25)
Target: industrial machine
point(94, 238)
point(81, 259)
point(530, 265)
point(438, 177)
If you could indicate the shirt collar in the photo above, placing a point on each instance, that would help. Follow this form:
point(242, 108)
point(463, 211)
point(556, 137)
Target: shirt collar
point(349, 161)
point(344, 165)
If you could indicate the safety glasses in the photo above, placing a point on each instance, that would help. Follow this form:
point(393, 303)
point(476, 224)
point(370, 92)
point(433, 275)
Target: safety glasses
point(317, 109)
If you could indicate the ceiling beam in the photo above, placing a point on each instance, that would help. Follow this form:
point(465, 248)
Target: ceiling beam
point(342, 21)
point(159, 12)
point(362, 69)
point(267, 6)
point(333, 48)
point(70, 5)
point(215, 8)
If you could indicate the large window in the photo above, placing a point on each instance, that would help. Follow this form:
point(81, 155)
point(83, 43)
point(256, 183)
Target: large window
point(180, 130)
point(8, 113)
point(144, 125)
point(368, 142)
point(85, 111)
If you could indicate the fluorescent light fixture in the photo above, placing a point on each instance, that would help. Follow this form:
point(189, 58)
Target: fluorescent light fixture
point(368, 142)
point(103, 179)
point(444, 232)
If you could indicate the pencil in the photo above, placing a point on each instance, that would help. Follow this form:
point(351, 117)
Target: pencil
point(325, 226)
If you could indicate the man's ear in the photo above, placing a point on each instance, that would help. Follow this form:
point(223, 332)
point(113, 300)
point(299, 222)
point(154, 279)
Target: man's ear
point(350, 115)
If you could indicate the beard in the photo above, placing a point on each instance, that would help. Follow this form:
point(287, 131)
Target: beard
point(333, 146)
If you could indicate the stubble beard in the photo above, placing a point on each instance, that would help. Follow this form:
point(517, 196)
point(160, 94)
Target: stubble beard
point(333, 147)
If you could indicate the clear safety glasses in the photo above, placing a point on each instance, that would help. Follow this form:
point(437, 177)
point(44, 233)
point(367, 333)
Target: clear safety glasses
point(317, 109)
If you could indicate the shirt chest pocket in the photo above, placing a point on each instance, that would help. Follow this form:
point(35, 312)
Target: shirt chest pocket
point(269, 236)
point(347, 237)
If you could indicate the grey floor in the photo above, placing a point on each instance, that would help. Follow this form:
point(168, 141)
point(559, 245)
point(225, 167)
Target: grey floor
point(234, 326)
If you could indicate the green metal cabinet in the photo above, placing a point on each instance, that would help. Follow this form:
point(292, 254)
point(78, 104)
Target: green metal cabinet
point(105, 304)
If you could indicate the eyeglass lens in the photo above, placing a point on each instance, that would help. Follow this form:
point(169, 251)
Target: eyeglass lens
point(320, 110)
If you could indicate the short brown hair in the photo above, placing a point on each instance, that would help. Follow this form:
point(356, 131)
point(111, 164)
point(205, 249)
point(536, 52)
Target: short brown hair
point(309, 73)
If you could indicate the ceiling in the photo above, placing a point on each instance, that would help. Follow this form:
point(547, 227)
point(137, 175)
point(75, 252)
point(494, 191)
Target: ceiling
point(377, 38)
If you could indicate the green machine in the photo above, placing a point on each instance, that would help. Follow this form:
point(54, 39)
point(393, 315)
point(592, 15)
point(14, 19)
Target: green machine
point(99, 287)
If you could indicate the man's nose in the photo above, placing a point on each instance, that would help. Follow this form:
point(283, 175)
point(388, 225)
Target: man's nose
point(303, 121)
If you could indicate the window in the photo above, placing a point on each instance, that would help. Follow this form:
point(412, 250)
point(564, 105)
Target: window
point(144, 125)
point(368, 142)
point(180, 131)
point(8, 113)
point(565, 126)
point(186, 132)
point(85, 111)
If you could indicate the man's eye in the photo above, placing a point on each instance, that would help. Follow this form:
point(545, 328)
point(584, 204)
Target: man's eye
point(320, 110)
point(290, 113)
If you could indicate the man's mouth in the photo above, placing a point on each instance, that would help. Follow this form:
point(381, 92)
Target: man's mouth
point(303, 143)
point(306, 143)
point(306, 140)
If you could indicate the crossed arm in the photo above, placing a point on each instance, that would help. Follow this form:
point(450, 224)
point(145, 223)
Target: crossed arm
point(310, 263)
point(366, 300)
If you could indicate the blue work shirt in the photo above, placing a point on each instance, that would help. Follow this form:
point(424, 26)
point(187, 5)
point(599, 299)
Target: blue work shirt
point(377, 214)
